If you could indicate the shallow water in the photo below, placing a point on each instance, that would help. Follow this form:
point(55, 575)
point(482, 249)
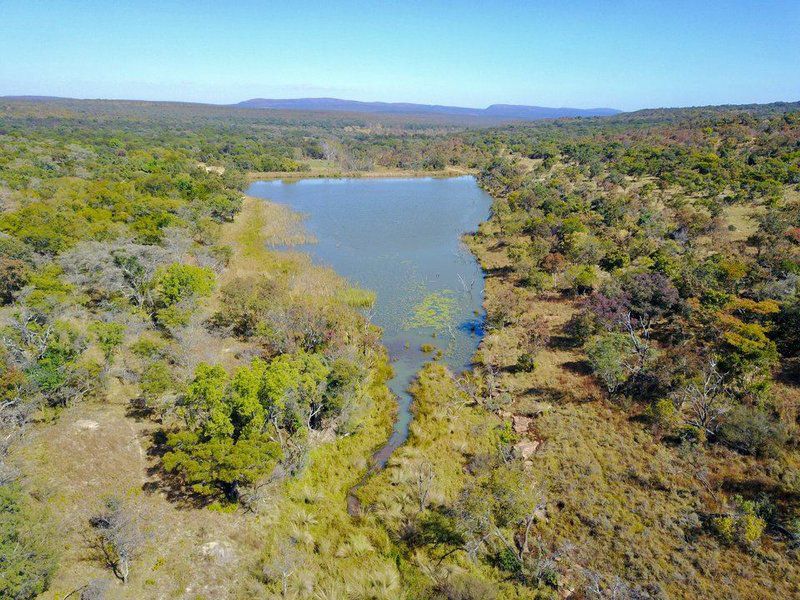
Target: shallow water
point(400, 238)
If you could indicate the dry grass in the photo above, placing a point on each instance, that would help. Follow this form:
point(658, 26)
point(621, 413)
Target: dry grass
point(319, 168)
point(740, 217)
point(95, 451)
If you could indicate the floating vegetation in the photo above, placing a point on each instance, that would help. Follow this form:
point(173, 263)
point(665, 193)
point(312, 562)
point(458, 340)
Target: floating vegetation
point(435, 311)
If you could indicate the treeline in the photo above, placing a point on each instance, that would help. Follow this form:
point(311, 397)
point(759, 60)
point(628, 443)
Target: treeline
point(245, 140)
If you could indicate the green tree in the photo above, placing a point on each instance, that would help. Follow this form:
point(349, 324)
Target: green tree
point(224, 446)
point(608, 354)
point(293, 389)
point(109, 336)
point(176, 288)
point(26, 560)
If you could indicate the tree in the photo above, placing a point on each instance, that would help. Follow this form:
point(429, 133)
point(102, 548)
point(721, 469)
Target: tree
point(704, 400)
point(500, 507)
point(643, 300)
point(608, 355)
point(220, 465)
point(156, 380)
point(26, 561)
point(224, 446)
point(746, 353)
point(118, 536)
point(293, 390)
point(106, 269)
point(176, 288)
point(285, 560)
point(752, 431)
point(223, 207)
point(535, 336)
point(108, 336)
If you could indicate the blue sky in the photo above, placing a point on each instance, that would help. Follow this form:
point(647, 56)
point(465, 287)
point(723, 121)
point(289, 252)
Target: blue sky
point(625, 55)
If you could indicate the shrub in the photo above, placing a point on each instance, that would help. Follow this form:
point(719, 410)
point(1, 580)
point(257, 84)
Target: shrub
point(526, 362)
point(582, 278)
point(752, 431)
point(180, 281)
point(580, 328)
point(663, 413)
point(749, 529)
point(26, 562)
point(607, 354)
point(157, 378)
point(109, 336)
point(725, 528)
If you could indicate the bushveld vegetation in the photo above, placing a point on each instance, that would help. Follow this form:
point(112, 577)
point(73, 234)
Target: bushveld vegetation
point(184, 411)
point(656, 251)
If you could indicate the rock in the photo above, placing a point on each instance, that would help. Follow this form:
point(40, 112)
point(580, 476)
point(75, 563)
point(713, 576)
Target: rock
point(220, 552)
point(537, 408)
point(322, 436)
point(87, 424)
point(526, 448)
point(521, 424)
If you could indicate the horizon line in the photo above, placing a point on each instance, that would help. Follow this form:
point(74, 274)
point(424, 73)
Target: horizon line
point(388, 102)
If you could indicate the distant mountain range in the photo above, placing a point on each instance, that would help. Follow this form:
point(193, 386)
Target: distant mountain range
point(497, 111)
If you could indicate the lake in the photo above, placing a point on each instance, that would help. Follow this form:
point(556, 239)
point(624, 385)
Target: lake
point(400, 238)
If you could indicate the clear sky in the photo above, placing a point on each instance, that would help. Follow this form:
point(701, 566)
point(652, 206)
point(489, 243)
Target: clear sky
point(628, 54)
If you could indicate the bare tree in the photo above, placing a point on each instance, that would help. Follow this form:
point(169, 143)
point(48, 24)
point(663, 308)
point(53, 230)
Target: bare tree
point(121, 267)
point(118, 536)
point(704, 401)
point(283, 564)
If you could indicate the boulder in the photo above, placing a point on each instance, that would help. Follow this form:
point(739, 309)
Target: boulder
point(521, 424)
point(221, 553)
point(526, 448)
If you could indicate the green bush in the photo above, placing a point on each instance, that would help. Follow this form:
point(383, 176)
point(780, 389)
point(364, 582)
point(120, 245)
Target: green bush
point(157, 378)
point(26, 558)
point(607, 353)
point(180, 282)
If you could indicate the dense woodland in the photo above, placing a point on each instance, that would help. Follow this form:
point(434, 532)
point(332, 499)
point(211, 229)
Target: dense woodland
point(184, 411)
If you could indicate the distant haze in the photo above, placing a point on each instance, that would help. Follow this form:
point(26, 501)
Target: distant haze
point(502, 111)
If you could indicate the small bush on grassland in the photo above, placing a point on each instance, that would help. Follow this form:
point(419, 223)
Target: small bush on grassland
point(580, 328)
point(176, 287)
point(526, 362)
point(109, 336)
point(663, 413)
point(725, 528)
point(746, 529)
point(462, 586)
point(607, 354)
point(749, 529)
point(157, 378)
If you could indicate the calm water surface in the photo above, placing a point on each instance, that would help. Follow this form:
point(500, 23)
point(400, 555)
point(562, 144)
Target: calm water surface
point(400, 238)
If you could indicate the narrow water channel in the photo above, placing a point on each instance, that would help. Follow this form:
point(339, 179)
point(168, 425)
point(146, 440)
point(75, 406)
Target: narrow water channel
point(400, 238)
